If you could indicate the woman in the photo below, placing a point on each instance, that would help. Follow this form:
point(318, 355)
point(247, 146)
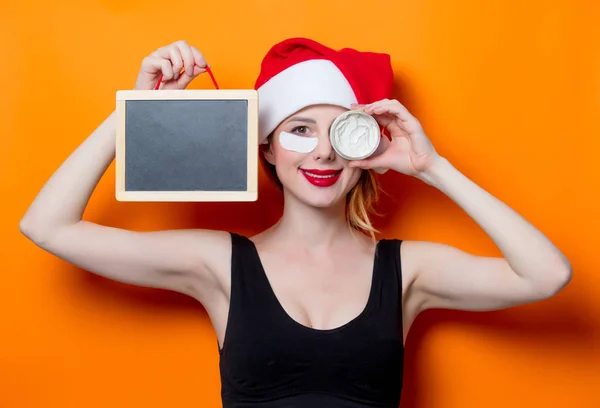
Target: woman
point(309, 312)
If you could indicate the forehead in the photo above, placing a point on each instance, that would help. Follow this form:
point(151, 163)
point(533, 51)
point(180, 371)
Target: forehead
point(316, 114)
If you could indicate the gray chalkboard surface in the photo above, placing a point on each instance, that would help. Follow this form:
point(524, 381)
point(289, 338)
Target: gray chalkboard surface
point(187, 145)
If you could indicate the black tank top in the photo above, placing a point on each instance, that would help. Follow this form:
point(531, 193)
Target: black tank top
point(269, 360)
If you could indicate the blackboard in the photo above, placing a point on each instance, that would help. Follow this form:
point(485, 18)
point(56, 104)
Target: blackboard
point(187, 145)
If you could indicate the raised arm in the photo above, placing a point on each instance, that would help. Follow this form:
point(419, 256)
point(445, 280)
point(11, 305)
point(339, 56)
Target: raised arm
point(532, 268)
point(188, 261)
point(440, 276)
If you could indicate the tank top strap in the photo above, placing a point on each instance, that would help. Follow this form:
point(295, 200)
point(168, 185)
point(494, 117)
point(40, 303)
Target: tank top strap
point(249, 292)
point(389, 259)
point(247, 278)
point(388, 278)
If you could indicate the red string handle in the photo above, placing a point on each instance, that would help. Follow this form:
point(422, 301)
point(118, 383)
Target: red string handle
point(212, 77)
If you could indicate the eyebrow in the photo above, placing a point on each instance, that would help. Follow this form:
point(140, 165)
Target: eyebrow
point(301, 119)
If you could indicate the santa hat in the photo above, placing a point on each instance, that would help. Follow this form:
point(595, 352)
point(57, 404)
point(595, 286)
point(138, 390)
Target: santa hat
point(299, 72)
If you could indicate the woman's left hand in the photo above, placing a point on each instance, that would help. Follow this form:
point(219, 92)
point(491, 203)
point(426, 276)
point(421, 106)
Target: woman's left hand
point(409, 152)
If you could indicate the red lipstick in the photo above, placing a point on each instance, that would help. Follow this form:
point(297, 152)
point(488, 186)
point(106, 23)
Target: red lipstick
point(321, 178)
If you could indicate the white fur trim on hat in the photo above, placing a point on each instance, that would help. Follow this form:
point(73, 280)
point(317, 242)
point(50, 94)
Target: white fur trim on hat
point(303, 84)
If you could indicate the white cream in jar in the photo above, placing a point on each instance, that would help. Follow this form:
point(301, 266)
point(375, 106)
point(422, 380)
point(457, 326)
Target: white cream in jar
point(354, 135)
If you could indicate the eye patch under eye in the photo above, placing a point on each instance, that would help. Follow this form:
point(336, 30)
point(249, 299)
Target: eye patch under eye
point(296, 143)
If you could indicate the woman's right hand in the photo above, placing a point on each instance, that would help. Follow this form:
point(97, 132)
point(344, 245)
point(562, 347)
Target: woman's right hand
point(168, 61)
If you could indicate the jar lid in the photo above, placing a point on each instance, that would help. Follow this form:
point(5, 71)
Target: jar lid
point(355, 135)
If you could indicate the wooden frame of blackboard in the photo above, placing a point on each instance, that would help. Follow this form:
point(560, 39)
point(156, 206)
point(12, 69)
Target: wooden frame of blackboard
point(251, 192)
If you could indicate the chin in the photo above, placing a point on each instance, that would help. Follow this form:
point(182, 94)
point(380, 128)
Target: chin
point(319, 200)
point(324, 191)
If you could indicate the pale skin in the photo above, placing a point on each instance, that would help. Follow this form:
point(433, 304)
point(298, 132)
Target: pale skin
point(319, 270)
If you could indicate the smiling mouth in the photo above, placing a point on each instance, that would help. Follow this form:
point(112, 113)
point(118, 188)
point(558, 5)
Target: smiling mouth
point(321, 178)
point(321, 173)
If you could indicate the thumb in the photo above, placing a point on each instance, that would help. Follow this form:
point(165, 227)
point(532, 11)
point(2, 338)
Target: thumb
point(367, 164)
point(373, 162)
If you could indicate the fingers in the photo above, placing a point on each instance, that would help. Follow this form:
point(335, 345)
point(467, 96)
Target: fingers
point(387, 106)
point(176, 61)
point(198, 58)
point(373, 161)
point(187, 58)
point(393, 106)
point(189, 55)
point(154, 65)
point(195, 64)
point(174, 58)
point(167, 70)
point(185, 79)
point(365, 164)
point(384, 143)
point(171, 57)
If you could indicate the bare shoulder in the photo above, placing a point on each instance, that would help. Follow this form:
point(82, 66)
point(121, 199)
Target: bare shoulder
point(428, 269)
point(411, 304)
point(425, 272)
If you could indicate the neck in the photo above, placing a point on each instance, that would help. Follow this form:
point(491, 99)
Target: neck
point(310, 226)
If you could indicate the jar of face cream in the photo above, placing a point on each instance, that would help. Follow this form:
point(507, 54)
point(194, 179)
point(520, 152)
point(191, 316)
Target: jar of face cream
point(354, 135)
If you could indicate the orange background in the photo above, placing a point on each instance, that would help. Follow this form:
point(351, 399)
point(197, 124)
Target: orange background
point(509, 92)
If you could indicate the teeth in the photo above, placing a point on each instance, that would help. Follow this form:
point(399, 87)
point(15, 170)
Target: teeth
point(320, 176)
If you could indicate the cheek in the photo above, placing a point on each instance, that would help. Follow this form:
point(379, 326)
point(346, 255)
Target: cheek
point(286, 160)
point(353, 176)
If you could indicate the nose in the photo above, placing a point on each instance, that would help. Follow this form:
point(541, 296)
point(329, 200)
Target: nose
point(324, 151)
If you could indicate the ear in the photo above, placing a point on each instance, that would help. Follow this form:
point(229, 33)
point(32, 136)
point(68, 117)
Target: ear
point(267, 152)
